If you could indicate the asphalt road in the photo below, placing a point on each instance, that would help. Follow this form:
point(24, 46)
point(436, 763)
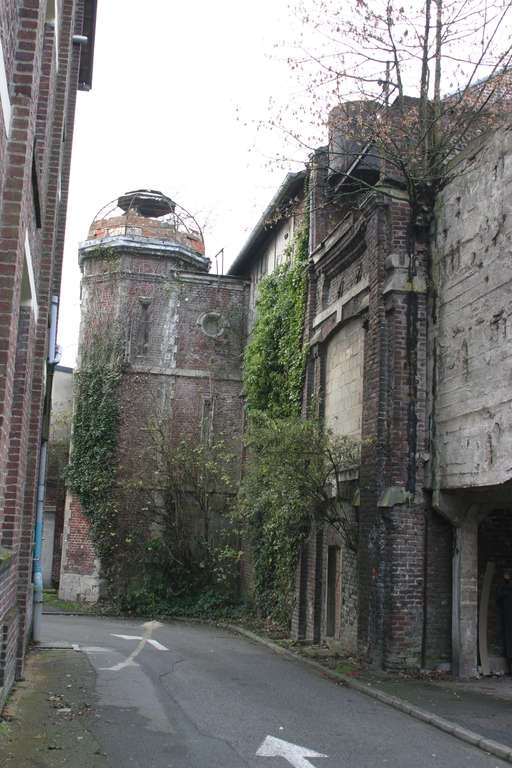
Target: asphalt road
point(184, 695)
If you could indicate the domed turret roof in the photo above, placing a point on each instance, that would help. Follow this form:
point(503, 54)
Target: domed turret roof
point(147, 213)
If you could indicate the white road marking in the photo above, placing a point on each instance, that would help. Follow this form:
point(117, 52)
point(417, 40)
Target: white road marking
point(127, 637)
point(294, 754)
point(152, 642)
point(150, 626)
point(157, 645)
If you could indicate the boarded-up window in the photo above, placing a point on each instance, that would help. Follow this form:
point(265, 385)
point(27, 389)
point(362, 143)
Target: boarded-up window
point(344, 379)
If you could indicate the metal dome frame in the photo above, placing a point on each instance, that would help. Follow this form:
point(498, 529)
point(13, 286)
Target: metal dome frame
point(150, 204)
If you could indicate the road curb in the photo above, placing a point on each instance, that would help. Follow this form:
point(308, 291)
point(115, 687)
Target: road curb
point(463, 734)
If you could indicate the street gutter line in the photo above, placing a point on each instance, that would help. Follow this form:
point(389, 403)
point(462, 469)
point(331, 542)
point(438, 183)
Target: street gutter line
point(470, 737)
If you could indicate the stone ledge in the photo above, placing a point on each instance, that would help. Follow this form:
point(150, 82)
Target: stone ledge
point(6, 558)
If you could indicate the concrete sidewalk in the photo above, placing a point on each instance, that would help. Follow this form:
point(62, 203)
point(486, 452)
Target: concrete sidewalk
point(482, 705)
point(49, 716)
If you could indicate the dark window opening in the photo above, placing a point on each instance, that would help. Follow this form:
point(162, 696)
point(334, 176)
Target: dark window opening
point(144, 327)
point(333, 559)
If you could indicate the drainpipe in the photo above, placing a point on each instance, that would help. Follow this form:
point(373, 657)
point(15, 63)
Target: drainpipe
point(54, 355)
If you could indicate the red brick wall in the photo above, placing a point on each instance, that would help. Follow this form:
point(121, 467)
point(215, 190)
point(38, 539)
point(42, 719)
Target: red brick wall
point(438, 630)
point(42, 98)
point(383, 591)
point(79, 553)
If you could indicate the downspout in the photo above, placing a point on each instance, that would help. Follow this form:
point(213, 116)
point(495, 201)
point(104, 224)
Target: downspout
point(54, 355)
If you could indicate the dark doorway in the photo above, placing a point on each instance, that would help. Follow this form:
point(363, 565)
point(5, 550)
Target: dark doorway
point(333, 575)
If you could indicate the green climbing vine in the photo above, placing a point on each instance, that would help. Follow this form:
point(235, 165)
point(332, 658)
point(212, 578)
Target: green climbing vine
point(274, 369)
point(296, 475)
point(275, 360)
point(92, 468)
point(296, 465)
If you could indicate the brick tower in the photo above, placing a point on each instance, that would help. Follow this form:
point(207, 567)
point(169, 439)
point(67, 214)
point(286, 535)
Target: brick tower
point(181, 332)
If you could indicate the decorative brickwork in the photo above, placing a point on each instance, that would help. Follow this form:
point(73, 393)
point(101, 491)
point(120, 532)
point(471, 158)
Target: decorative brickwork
point(368, 328)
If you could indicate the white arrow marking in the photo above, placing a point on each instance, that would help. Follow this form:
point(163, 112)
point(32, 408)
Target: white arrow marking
point(294, 754)
point(157, 645)
point(152, 642)
point(127, 637)
point(150, 626)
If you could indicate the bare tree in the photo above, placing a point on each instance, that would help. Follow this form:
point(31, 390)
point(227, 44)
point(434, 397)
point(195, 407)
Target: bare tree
point(406, 87)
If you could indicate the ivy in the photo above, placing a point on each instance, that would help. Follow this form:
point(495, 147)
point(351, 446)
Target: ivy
point(91, 472)
point(156, 510)
point(274, 360)
point(295, 477)
point(274, 369)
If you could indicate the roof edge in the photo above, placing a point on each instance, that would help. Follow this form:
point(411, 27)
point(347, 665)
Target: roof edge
point(262, 225)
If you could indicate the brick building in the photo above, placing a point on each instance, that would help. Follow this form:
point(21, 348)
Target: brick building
point(412, 356)
point(413, 359)
point(46, 56)
point(182, 331)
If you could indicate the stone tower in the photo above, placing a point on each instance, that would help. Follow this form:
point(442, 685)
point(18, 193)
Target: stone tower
point(181, 335)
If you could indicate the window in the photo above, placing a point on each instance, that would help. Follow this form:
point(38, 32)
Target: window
point(333, 591)
point(52, 17)
point(207, 421)
point(144, 326)
point(28, 286)
point(4, 94)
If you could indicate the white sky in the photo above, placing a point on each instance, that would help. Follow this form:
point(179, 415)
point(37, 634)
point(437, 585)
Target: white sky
point(178, 90)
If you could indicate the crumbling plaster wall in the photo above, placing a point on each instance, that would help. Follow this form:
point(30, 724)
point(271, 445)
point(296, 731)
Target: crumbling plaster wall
point(473, 408)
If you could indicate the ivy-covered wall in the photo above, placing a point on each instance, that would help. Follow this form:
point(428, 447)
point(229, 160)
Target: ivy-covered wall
point(275, 358)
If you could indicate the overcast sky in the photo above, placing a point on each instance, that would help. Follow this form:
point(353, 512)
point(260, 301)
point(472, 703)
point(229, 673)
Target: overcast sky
point(178, 91)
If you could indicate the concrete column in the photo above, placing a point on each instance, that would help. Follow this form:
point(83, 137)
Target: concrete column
point(465, 595)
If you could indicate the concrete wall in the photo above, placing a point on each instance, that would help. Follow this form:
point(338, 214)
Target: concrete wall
point(473, 409)
point(62, 405)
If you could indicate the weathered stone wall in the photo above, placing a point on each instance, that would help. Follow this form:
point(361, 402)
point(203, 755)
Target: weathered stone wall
point(344, 379)
point(473, 409)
